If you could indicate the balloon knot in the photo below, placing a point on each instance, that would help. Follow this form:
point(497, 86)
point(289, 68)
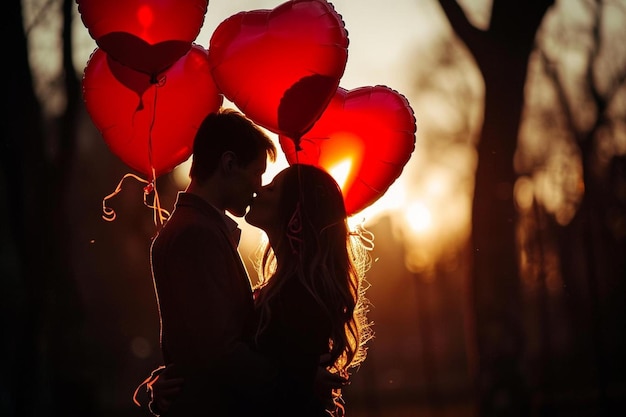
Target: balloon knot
point(160, 214)
point(158, 81)
point(149, 188)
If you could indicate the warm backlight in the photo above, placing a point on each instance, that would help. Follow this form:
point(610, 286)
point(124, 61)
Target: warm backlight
point(371, 127)
point(340, 172)
point(418, 217)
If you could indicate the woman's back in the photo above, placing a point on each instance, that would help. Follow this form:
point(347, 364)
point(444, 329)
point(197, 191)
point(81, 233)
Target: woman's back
point(294, 338)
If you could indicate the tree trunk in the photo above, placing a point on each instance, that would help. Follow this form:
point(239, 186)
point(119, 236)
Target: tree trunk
point(23, 273)
point(41, 309)
point(503, 389)
point(502, 53)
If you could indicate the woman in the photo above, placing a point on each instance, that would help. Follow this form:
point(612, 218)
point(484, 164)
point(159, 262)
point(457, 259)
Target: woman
point(310, 300)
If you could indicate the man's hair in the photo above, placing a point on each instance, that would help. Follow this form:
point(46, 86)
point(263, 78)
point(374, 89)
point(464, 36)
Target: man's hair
point(227, 131)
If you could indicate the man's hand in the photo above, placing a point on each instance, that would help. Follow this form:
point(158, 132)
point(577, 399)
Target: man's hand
point(164, 388)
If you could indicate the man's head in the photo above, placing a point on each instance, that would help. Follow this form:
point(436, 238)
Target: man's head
point(232, 152)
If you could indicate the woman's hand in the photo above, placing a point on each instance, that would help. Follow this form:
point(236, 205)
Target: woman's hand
point(328, 384)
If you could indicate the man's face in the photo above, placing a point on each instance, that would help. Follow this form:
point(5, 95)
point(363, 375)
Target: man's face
point(245, 183)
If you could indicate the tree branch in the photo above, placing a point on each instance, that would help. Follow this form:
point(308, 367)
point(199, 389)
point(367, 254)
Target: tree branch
point(468, 33)
point(594, 51)
point(553, 74)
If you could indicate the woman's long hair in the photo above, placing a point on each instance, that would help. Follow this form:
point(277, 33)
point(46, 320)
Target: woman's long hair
point(316, 247)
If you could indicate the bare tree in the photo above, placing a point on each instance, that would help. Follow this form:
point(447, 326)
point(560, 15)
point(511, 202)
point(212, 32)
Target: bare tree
point(41, 308)
point(590, 114)
point(502, 53)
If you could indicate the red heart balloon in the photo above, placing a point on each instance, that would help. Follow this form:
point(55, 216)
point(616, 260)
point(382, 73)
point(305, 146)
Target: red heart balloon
point(281, 67)
point(138, 55)
point(137, 81)
point(145, 35)
point(363, 139)
point(156, 131)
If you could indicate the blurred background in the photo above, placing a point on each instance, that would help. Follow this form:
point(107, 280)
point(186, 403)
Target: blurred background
point(498, 285)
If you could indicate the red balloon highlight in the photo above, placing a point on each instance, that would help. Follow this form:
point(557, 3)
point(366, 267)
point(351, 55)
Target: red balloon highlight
point(364, 139)
point(145, 35)
point(281, 67)
point(150, 126)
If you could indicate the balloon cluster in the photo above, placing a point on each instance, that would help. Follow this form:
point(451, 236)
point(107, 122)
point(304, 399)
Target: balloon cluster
point(147, 87)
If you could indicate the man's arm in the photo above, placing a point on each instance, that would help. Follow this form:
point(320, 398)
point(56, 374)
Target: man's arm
point(196, 298)
point(193, 274)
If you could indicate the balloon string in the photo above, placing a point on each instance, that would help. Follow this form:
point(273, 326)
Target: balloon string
point(156, 91)
point(295, 223)
point(365, 236)
point(109, 214)
point(294, 229)
point(160, 214)
point(297, 140)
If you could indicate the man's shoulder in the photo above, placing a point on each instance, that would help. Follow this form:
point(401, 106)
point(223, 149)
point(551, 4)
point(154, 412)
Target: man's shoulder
point(187, 223)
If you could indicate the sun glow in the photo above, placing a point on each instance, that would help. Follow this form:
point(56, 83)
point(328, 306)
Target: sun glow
point(340, 172)
point(419, 217)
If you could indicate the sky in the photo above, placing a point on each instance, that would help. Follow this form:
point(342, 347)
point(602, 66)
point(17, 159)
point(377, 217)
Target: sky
point(386, 40)
point(380, 36)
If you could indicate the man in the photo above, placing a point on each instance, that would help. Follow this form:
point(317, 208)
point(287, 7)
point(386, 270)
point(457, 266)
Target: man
point(203, 290)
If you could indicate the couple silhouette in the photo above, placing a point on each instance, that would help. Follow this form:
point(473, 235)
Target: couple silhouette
point(283, 347)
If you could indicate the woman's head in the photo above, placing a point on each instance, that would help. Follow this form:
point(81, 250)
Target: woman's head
point(303, 214)
point(301, 205)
